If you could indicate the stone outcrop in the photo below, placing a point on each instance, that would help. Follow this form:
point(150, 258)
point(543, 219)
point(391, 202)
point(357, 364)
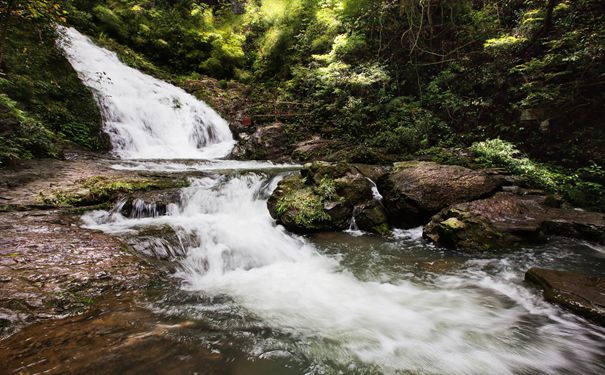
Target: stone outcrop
point(584, 295)
point(415, 190)
point(325, 196)
point(312, 148)
point(507, 220)
point(267, 142)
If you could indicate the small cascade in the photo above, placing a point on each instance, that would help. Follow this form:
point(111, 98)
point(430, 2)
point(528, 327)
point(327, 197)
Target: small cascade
point(375, 193)
point(141, 209)
point(146, 118)
point(353, 229)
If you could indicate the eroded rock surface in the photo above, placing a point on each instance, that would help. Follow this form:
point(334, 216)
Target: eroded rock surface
point(416, 190)
point(52, 267)
point(508, 220)
point(582, 294)
point(82, 181)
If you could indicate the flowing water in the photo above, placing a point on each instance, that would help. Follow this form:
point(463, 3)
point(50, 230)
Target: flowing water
point(328, 303)
point(145, 117)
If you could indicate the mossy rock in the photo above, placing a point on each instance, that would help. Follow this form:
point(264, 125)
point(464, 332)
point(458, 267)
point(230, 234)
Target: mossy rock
point(508, 221)
point(98, 189)
point(324, 196)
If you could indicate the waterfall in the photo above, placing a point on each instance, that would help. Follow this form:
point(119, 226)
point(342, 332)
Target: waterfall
point(146, 118)
point(226, 247)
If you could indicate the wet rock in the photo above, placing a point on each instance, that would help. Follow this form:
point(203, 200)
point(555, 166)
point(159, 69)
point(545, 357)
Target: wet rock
point(326, 196)
point(150, 203)
point(582, 294)
point(266, 143)
point(508, 220)
point(51, 267)
point(415, 190)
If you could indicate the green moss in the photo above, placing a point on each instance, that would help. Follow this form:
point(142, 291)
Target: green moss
point(42, 100)
point(306, 206)
point(99, 190)
point(382, 229)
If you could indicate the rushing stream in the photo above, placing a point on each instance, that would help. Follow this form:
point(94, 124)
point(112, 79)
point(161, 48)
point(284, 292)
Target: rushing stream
point(330, 302)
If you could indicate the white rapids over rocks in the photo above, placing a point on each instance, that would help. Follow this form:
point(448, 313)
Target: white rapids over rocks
point(468, 322)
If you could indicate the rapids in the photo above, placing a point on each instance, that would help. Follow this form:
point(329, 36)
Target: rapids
point(327, 303)
point(479, 319)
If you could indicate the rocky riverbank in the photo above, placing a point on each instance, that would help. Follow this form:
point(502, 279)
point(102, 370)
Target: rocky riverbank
point(50, 266)
point(466, 210)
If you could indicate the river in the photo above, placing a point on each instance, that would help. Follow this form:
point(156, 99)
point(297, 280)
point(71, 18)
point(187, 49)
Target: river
point(328, 303)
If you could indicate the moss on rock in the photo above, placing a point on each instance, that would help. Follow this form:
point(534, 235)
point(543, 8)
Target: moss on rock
point(98, 189)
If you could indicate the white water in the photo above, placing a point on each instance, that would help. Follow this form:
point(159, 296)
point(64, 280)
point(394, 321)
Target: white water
point(470, 322)
point(146, 118)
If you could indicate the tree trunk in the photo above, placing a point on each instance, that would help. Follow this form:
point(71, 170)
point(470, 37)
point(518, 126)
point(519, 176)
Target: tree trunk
point(550, 7)
point(6, 18)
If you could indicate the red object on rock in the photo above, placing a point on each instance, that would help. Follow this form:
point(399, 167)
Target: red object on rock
point(246, 121)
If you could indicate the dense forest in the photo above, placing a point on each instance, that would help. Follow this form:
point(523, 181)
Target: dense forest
point(380, 80)
point(302, 187)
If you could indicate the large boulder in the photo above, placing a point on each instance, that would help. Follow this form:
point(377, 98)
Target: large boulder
point(326, 196)
point(416, 190)
point(584, 295)
point(507, 220)
point(267, 142)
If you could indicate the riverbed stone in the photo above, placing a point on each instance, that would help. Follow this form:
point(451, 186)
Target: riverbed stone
point(326, 196)
point(52, 267)
point(582, 294)
point(508, 220)
point(415, 190)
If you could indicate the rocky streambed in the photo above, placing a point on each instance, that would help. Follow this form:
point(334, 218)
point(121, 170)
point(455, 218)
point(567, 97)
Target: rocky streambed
point(459, 208)
point(200, 278)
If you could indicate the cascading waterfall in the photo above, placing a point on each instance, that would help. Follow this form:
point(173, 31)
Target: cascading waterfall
point(480, 320)
point(146, 118)
point(470, 323)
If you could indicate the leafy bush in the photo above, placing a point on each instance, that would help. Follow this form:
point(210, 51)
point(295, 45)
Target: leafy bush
point(499, 153)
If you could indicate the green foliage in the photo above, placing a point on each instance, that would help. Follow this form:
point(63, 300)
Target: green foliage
point(395, 76)
point(499, 153)
point(22, 137)
point(496, 152)
point(109, 21)
point(327, 189)
point(48, 103)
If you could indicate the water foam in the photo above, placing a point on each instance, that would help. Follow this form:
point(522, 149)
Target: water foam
point(467, 323)
point(146, 118)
